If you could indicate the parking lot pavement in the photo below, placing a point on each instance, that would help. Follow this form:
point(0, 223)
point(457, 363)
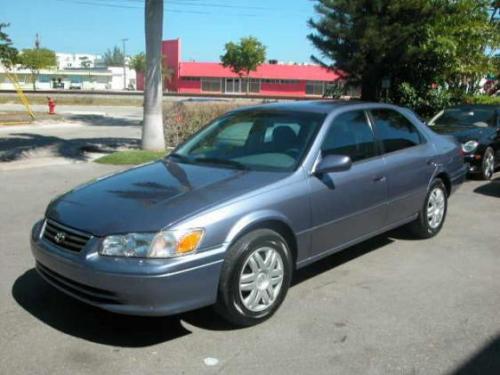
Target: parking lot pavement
point(391, 305)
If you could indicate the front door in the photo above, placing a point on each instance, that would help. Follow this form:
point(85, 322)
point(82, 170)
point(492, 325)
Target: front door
point(351, 204)
point(233, 85)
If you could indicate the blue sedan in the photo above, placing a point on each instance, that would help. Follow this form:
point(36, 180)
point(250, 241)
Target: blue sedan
point(228, 216)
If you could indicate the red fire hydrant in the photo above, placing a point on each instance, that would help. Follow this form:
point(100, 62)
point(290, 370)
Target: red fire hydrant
point(52, 106)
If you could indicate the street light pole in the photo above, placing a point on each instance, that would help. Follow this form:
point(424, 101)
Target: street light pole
point(124, 40)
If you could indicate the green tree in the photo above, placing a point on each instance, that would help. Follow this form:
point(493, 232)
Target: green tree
point(471, 29)
point(113, 57)
point(138, 62)
point(415, 42)
point(8, 54)
point(380, 39)
point(35, 60)
point(244, 57)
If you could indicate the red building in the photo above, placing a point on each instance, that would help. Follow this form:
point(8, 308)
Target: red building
point(269, 79)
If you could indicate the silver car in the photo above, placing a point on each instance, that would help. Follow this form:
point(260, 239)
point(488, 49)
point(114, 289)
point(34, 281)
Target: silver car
point(228, 216)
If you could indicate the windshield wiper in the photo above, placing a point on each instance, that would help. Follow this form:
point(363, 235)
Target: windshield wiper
point(227, 162)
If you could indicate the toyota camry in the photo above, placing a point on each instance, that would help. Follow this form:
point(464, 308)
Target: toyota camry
point(233, 212)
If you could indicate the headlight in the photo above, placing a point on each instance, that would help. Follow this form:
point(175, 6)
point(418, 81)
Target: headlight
point(469, 146)
point(166, 244)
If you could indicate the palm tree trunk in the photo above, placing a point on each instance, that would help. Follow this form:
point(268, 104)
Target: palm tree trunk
point(153, 137)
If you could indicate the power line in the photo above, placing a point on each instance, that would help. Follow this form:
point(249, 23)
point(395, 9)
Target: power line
point(204, 4)
point(216, 7)
point(111, 5)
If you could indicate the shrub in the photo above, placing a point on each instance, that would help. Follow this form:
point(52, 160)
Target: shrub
point(426, 102)
point(483, 99)
point(183, 119)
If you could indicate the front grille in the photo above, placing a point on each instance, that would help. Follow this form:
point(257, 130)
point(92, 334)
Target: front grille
point(64, 237)
point(86, 292)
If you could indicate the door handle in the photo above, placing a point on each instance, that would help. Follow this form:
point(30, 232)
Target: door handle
point(378, 178)
point(431, 162)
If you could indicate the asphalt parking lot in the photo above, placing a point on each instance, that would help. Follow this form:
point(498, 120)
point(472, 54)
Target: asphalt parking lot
point(391, 305)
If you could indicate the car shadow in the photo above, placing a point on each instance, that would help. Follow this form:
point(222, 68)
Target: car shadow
point(485, 361)
point(337, 259)
point(78, 319)
point(75, 318)
point(490, 189)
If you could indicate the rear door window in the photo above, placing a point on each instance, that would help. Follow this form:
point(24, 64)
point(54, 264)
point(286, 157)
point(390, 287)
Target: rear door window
point(394, 130)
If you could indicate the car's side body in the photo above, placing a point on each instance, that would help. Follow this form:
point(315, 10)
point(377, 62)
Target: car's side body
point(317, 214)
point(313, 209)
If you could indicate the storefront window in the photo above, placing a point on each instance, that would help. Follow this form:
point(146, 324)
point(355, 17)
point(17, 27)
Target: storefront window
point(211, 84)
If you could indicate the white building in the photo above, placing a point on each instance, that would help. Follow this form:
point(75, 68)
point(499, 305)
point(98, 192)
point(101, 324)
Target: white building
point(77, 60)
point(70, 79)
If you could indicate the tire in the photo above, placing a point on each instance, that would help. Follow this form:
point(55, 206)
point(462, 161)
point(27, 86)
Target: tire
point(243, 278)
point(425, 226)
point(488, 164)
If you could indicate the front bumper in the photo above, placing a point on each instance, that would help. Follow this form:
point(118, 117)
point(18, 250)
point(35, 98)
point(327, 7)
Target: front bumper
point(474, 163)
point(131, 286)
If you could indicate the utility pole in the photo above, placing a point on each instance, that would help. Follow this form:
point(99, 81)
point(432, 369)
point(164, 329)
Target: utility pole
point(37, 41)
point(124, 41)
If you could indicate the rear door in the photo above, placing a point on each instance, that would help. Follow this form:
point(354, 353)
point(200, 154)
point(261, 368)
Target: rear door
point(350, 204)
point(409, 162)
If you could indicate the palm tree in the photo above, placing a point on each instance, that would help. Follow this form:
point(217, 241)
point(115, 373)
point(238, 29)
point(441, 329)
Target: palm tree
point(152, 133)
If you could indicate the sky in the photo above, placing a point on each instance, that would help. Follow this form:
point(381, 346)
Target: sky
point(204, 26)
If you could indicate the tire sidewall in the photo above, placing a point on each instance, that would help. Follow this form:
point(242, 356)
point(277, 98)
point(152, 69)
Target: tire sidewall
point(242, 249)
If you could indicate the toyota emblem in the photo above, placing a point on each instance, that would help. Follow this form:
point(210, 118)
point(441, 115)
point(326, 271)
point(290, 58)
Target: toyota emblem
point(59, 237)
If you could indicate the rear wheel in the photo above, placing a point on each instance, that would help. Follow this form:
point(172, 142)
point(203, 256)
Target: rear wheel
point(488, 164)
point(433, 213)
point(255, 278)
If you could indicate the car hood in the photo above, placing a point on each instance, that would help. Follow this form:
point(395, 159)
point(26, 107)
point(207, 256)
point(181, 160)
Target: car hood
point(151, 197)
point(463, 133)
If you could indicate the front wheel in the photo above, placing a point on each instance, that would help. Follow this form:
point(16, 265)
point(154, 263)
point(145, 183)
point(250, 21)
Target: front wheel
point(255, 278)
point(488, 164)
point(431, 217)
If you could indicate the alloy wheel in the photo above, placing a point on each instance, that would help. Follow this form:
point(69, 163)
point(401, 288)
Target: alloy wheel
point(261, 279)
point(436, 207)
point(488, 164)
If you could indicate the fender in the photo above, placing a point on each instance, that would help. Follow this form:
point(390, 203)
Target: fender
point(253, 218)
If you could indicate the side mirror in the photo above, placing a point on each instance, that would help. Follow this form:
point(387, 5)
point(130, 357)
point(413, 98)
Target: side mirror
point(333, 163)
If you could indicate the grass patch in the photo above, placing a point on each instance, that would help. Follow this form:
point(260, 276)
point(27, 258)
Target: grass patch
point(132, 157)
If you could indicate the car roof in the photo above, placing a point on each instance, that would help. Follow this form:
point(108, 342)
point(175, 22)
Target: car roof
point(316, 106)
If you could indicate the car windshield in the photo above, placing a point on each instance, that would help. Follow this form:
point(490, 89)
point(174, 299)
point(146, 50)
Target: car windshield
point(480, 117)
point(256, 140)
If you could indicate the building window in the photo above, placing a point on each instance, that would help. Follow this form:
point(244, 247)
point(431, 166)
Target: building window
point(315, 88)
point(196, 79)
point(281, 81)
point(253, 85)
point(211, 84)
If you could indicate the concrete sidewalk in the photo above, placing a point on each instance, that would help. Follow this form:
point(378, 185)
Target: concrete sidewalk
point(62, 142)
